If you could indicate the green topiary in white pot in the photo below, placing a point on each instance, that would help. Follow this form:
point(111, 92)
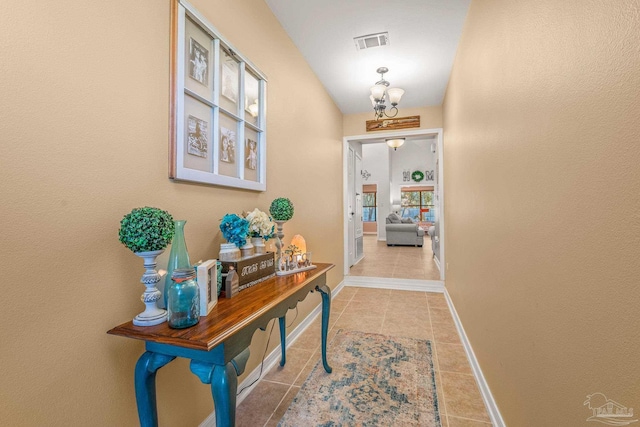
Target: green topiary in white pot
point(281, 210)
point(147, 232)
point(146, 229)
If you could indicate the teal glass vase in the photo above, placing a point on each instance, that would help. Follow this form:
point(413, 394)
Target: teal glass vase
point(178, 257)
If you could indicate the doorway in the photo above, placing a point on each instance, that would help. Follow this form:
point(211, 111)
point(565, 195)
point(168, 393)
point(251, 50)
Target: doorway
point(352, 145)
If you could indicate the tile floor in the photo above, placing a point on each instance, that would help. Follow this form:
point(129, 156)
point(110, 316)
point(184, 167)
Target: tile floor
point(401, 313)
point(399, 262)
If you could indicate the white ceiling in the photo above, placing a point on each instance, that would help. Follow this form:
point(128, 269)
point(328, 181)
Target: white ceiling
point(423, 37)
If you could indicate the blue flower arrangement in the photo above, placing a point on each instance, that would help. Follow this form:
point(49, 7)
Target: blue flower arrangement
point(235, 229)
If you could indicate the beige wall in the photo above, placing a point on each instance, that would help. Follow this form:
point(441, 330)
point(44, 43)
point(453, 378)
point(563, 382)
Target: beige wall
point(541, 132)
point(84, 102)
point(430, 118)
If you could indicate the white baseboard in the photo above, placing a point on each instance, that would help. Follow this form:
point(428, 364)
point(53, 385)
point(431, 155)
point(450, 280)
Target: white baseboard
point(272, 358)
point(400, 284)
point(437, 261)
point(489, 402)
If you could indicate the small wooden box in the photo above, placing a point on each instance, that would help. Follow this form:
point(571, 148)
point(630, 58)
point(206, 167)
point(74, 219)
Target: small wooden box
point(250, 271)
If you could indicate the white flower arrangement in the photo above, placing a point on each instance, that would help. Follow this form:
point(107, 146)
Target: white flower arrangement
point(260, 224)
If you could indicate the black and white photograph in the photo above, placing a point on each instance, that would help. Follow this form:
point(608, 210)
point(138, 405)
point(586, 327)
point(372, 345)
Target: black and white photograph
point(198, 62)
point(197, 142)
point(251, 151)
point(227, 145)
point(230, 79)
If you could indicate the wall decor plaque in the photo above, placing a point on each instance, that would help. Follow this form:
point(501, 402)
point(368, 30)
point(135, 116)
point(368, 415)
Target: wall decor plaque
point(393, 124)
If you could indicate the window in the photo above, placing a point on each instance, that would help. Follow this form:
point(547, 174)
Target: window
point(369, 209)
point(218, 107)
point(417, 204)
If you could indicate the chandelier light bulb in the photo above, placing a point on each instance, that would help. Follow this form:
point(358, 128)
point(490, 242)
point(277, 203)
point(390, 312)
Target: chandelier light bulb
point(394, 95)
point(377, 92)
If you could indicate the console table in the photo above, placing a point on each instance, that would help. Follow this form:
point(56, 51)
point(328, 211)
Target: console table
point(218, 346)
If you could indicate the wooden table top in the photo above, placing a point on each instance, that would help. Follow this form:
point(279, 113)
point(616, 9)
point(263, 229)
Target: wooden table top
point(229, 316)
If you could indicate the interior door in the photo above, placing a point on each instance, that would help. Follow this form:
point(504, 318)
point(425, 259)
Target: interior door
point(351, 196)
point(357, 218)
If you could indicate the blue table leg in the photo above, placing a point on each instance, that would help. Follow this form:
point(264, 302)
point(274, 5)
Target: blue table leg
point(224, 385)
point(145, 380)
point(325, 291)
point(283, 339)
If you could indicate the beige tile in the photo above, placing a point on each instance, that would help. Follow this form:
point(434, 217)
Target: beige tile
point(296, 360)
point(445, 333)
point(346, 293)
point(309, 340)
point(379, 272)
point(464, 422)
point(311, 364)
point(371, 293)
point(462, 397)
point(282, 408)
point(441, 315)
point(367, 307)
point(407, 328)
point(452, 358)
point(409, 273)
point(359, 323)
point(403, 296)
point(257, 408)
point(337, 307)
point(409, 305)
point(407, 313)
point(437, 301)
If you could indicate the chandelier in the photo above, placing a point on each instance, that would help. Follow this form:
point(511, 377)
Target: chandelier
point(380, 93)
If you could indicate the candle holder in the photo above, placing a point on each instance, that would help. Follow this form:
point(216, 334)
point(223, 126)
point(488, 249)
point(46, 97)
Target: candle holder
point(152, 315)
point(295, 259)
point(279, 237)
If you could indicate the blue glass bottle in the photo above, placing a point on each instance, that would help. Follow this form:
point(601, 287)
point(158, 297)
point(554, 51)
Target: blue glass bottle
point(178, 257)
point(183, 299)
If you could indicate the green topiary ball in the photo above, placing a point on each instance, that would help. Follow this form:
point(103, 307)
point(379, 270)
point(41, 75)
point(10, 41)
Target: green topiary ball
point(146, 229)
point(281, 209)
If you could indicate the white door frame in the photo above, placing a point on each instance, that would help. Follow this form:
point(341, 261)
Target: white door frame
point(345, 192)
point(350, 206)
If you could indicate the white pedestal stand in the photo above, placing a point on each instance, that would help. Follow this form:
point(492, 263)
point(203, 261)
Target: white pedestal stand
point(279, 243)
point(152, 315)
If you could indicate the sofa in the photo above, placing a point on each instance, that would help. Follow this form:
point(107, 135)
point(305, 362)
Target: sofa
point(403, 231)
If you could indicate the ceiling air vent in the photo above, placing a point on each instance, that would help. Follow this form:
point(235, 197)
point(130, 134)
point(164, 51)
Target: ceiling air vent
point(371, 40)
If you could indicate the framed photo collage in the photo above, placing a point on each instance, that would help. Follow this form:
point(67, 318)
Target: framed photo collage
point(218, 123)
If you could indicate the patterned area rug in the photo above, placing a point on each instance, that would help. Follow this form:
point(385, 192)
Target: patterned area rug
point(376, 381)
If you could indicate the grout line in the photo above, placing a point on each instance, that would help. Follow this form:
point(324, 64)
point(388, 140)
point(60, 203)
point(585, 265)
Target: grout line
point(456, 372)
point(278, 405)
point(472, 419)
point(275, 382)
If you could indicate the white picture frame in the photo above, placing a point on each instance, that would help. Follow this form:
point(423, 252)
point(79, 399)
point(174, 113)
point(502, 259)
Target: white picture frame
point(207, 97)
point(207, 278)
